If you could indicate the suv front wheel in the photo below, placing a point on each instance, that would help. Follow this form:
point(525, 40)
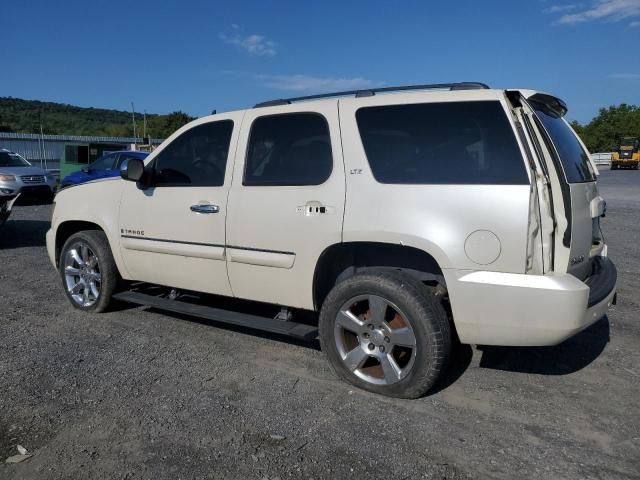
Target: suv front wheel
point(385, 332)
point(88, 271)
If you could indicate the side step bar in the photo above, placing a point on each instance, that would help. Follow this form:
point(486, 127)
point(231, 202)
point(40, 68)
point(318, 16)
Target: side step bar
point(266, 324)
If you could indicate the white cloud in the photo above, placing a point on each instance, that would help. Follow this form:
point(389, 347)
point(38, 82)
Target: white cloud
point(625, 76)
point(612, 10)
point(254, 44)
point(307, 83)
point(635, 24)
point(561, 8)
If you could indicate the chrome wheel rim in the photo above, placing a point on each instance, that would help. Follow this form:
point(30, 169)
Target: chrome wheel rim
point(82, 276)
point(375, 340)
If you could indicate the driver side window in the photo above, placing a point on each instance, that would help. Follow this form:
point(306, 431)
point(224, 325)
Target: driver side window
point(197, 158)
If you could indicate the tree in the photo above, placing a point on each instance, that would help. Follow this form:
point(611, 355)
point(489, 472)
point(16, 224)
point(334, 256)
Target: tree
point(24, 116)
point(604, 132)
point(4, 128)
point(162, 126)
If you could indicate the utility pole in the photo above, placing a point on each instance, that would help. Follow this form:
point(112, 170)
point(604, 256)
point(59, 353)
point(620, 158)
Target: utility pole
point(145, 124)
point(42, 152)
point(133, 117)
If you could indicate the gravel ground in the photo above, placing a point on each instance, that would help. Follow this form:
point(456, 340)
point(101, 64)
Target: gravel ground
point(136, 393)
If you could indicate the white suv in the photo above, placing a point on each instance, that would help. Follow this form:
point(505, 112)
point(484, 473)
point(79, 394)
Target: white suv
point(403, 216)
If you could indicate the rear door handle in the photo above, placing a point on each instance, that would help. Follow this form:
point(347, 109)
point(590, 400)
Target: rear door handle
point(205, 208)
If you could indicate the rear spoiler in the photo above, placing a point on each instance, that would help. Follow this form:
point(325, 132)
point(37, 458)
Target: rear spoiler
point(551, 105)
point(554, 107)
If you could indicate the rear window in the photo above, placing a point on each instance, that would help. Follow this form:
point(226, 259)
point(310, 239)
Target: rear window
point(574, 158)
point(441, 143)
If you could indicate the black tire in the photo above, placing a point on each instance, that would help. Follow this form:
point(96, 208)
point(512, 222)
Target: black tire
point(98, 243)
point(421, 310)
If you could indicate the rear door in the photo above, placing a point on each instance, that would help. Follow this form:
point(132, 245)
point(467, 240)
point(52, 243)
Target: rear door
point(287, 201)
point(582, 204)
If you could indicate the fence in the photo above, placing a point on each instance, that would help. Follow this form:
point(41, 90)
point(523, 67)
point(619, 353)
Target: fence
point(601, 158)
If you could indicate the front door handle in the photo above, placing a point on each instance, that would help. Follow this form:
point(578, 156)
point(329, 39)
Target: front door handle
point(205, 208)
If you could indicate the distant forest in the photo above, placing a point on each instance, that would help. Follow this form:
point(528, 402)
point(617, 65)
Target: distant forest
point(602, 134)
point(25, 116)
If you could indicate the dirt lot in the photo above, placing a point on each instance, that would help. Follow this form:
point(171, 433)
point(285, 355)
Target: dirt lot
point(137, 393)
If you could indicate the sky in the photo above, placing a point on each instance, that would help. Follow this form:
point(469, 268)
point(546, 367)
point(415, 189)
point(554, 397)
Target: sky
point(196, 55)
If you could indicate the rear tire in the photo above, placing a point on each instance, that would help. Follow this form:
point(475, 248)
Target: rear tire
point(88, 271)
point(385, 332)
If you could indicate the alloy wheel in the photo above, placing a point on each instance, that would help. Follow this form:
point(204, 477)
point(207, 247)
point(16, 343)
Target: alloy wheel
point(82, 276)
point(375, 340)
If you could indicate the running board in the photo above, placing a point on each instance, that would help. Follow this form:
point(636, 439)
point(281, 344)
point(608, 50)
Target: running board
point(265, 324)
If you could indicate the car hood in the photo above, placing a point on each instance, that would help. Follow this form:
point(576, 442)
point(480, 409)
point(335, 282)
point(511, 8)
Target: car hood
point(22, 171)
point(82, 177)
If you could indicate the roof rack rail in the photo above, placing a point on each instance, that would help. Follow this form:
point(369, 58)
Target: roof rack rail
point(368, 92)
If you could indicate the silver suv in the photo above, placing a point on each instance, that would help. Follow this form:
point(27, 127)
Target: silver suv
point(386, 222)
point(18, 176)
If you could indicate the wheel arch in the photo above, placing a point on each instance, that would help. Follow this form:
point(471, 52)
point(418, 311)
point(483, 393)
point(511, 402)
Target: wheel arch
point(343, 260)
point(68, 228)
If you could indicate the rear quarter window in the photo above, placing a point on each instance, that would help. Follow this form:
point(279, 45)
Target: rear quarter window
point(441, 143)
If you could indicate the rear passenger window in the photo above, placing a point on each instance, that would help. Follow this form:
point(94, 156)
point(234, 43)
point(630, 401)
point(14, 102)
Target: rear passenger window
point(441, 143)
point(197, 158)
point(288, 149)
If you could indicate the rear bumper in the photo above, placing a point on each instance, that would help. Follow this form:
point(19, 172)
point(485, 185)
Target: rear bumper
point(625, 161)
point(492, 308)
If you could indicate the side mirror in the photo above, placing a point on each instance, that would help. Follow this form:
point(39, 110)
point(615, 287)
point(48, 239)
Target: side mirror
point(86, 170)
point(132, 169)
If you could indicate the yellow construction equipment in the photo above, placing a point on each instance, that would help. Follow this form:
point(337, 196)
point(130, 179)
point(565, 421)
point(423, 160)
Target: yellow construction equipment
point(628, 154)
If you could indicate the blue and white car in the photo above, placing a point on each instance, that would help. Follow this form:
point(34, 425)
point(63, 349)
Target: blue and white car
point(18, 176)
point(106, 166)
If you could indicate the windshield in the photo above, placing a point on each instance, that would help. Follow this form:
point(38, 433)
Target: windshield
point(574, 158)
point(103, 163)
point(628, 142)
point(8, 159)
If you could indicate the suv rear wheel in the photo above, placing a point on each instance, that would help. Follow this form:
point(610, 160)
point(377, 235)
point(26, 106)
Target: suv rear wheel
point(88, 271)
point(385, 332)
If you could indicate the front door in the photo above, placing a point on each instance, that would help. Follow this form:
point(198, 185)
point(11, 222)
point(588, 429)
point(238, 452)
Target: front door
point(286, 204)
point(173, 233)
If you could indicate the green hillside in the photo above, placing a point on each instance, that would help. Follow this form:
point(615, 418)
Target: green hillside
point(23, 116)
